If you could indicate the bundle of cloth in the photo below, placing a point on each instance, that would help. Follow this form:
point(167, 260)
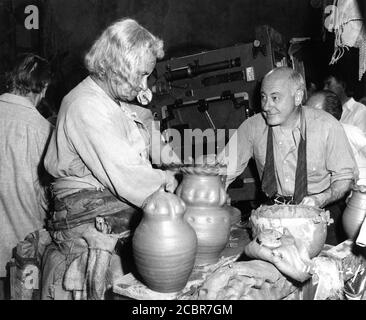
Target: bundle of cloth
point(290, 256)
point(345, 19)
point(284, 251)
point(246, 280)
point(280, 267)
point(85, 229)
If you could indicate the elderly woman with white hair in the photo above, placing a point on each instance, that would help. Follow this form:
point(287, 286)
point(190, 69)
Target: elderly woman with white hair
point(100, 157)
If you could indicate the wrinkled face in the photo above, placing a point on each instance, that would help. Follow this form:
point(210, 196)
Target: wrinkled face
point(278, 100)
point(141, 70)
point(315, 101)
point(333, 85)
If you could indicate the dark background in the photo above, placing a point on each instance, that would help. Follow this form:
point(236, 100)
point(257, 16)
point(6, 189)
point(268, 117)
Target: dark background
point(68, 28)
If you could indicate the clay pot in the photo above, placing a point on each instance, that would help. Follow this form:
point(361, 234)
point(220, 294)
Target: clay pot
point(204, 194)
point(306, 223)
point(355, 212)
point(164, 244)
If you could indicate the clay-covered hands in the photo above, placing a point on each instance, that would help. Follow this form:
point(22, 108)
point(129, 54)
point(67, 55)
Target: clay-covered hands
point(144, 96)
point(312, 201)
point(209, 159)
point(171, 182)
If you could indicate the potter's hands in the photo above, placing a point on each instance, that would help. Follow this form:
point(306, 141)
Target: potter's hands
point(209, 159)
point(144, 96)
point(171, 182)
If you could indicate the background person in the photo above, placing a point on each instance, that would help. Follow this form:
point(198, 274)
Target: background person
point(328, 101)
point(24, 136)
point(353, 112)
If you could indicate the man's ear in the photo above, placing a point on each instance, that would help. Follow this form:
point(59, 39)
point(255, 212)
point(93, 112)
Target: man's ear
point(299, 95)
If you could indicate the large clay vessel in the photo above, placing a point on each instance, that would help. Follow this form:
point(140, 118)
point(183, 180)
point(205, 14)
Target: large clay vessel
point(203, 192)
point(355, 212)
point(308, 224)
point(164, 244)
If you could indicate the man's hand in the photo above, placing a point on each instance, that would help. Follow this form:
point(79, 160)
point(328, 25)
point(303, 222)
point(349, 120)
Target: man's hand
point(312, 201)
point(336, 191)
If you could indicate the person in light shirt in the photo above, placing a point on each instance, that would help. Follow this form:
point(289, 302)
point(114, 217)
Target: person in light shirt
point(101, 158)
point(327, 175)
point(302, 163)
point(329, 102)
point(353, 112)
point(24, 136)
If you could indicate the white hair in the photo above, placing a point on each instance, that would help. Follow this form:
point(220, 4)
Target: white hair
point(116, 53)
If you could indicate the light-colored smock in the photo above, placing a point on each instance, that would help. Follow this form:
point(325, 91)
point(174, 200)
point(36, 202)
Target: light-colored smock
point(24, 134)
point(101, 144)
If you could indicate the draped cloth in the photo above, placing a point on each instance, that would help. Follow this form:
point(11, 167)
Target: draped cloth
point(269, 182)
point(85, 229)
point(345, 19)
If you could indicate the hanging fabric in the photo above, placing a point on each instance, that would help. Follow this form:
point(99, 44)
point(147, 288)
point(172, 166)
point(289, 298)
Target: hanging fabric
point(346, 21)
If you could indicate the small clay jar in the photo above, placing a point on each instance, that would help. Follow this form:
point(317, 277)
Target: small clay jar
point(164, 244)
point(204, 194)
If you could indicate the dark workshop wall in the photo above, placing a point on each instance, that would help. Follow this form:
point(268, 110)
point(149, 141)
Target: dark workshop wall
point(186, 27)
point(68, 27)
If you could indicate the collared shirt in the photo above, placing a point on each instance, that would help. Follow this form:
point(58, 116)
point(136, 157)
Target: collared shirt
point(357, 140)
point(325, 142)
point(24, 135)
point(285, 146)
point(354, 113)
point(100, 144)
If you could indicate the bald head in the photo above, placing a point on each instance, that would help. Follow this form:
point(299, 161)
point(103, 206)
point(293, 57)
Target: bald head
point(282, 92)
point(327, 101)
point(291, 77)
point(316, 100)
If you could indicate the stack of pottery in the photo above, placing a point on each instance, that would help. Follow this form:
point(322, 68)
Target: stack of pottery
point(355, 212)
point(164, 244)
point(203, 192)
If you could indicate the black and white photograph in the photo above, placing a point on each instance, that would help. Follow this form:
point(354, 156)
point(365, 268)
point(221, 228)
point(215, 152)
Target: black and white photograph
point(179, 157)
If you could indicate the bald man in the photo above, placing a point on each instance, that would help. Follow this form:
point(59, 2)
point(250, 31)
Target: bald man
point(297, 150)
